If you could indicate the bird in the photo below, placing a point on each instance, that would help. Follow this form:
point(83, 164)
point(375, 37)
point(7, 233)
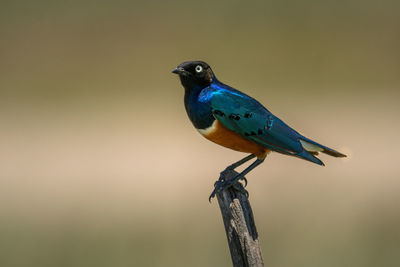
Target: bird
point(233, 119)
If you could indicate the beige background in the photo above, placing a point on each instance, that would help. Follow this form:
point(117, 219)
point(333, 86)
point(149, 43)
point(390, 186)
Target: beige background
point(99, 165)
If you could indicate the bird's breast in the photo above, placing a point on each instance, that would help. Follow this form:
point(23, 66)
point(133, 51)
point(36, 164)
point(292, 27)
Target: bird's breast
point(221, 135)
point(199, 113)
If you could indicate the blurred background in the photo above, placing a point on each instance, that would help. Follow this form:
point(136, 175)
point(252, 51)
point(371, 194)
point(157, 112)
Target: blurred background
point(100, 166)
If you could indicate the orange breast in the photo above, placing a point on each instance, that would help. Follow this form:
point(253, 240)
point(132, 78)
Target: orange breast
point(223, 136)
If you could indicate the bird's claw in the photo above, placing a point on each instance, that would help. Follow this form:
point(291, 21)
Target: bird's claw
point(240, 188)
point(244, 180)
point(226, 171)
point(223, 184)
point(215, 191)
point(218, 184)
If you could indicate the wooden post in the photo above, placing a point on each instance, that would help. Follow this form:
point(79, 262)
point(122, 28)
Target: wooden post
point(239, 226)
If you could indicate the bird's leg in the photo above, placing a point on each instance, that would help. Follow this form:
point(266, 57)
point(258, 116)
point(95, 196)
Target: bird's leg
point(221, 185)
point(234, 166)
point(240, 162)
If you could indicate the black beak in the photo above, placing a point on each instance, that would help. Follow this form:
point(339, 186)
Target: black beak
point(180, 71)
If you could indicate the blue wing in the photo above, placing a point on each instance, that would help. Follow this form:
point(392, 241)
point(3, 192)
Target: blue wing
point(247, 117)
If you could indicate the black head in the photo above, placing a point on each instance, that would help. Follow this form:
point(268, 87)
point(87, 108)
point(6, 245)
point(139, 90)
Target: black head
point(194, 74)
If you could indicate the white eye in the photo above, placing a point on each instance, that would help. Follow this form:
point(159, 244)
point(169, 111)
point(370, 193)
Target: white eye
point(199, 68)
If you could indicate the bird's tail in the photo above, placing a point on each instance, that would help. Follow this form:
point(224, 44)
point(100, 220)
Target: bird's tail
point(311, 149)
point(310, 157)
point(314, 148)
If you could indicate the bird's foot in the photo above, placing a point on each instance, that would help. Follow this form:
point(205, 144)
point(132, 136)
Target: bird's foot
point(241, 188)
point(228, 170)
point(224, 183)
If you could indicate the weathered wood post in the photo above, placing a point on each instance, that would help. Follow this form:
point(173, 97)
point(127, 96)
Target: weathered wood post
point(239, 226)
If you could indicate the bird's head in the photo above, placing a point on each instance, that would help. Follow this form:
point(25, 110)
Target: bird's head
point(194, 74)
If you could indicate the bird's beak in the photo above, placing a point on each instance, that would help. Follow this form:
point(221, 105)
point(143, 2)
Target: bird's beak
point(180, 71)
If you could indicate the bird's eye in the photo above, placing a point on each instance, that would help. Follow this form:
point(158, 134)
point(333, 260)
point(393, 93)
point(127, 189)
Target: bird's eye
point(199, 68)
